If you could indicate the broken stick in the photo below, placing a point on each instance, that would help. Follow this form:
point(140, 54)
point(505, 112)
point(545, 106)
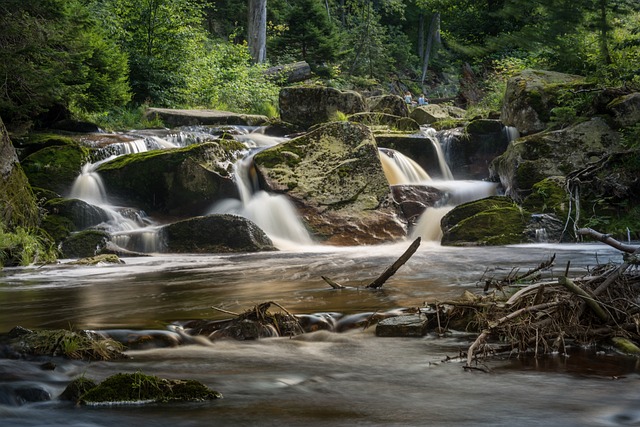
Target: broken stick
point(377, 283)
point(395, 266)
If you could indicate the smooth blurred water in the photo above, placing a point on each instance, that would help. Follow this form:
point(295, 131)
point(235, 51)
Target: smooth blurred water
point(316, 379)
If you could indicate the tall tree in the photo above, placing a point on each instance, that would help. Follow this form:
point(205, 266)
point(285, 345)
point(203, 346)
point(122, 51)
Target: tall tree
point(257, 30)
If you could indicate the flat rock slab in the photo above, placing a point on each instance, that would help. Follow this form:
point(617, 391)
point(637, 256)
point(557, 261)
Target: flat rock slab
point(413, 325)
point(174, 118)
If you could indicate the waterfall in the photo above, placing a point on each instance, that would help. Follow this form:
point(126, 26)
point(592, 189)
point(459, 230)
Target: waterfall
point(431, 134)
point(400, 169)
point(273, 213)
point(88, 186)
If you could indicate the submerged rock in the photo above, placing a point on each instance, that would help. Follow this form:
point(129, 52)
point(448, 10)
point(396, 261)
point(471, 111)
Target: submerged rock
point(213, 234)
point(334, 177)
point(138, 388)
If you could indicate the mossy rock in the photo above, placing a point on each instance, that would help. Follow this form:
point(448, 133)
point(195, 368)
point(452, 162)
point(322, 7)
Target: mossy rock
point(55, 167)
point(388, 104)
point(182, 182)
point(18, 206)
point(494, 220)
point(65, 216)
point(82, 345)
point(76, 388)
point(532, 94)
point(548, 196)
point(308, 106)
point(431, 113)
point(99, 259)
point(499, 226)
point(466, 210)
point(84, 244)
point(141, 388)
point(403, 124)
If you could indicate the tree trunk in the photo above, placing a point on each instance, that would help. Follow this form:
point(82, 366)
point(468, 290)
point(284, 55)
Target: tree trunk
point(257, 30)
point(433, 34)
point(421, 36)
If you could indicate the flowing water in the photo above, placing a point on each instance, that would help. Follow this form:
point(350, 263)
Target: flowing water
point(317, 379)
point(345, 376)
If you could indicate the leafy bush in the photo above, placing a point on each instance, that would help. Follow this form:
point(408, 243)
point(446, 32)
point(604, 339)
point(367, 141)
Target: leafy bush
point(24, 247)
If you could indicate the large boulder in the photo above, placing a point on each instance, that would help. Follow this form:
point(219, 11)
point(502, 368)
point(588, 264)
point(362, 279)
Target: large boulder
point(388, 104)
point(334, 177)
point(491, 221)
point(430, 113)
point(403, 124)
point(626, 110)
point(214, 234)
point(533, 158)
point(531, 95)
point(65, 216)
point(17, 202)
point(180, 182)
point(308, 106)
point(414, 199)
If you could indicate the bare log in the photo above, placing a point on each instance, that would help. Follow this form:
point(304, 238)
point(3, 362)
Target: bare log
point(395, 266)
point(334, 285)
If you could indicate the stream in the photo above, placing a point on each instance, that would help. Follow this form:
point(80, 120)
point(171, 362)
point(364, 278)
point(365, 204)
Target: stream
point(316, 379)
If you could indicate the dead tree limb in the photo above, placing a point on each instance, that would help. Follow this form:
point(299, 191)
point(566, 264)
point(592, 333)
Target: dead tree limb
point(605, 238)
point(334, 285)
point(395, 266)
point(588, 299)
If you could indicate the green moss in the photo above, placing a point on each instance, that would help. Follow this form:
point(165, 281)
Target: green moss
point(84, 244)
point(466, 210)
point(528, 174)
point(139, 387)
point(58, 227)
point(548, 196)
point(55, 168)
point(70, 344)
point(76, 388)
point(498, 226)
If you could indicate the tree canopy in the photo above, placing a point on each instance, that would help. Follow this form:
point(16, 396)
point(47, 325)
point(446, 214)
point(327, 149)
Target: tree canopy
point(94, 56)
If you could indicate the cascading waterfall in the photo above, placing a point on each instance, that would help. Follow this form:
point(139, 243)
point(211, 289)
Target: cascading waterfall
point(401, 170)
point(273, 213)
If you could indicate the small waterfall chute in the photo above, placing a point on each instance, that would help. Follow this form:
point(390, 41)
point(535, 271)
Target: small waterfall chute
point(400, 169)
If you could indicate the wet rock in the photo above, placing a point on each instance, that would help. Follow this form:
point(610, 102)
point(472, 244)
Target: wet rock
point(418, 147)
point(548, 196)
point(182, 182)
point(77, 388)
point(214, 234)
point(414, 199)
point(65, 216)
point(411, 325)
point(99, 259)
point(545, 228)
point(84, 244)
point(175, 117)
point(308, 106)
point(531, 95)
point(334, 177)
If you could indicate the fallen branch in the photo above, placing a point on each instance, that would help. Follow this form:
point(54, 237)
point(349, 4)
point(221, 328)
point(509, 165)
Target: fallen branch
point(588, 299)
point(395, 266)
point(377, 283)
point(606, 238)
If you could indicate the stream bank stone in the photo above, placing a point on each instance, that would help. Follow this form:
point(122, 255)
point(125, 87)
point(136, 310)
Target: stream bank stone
point(334, 177)
point(175, 117)
point(308, 106)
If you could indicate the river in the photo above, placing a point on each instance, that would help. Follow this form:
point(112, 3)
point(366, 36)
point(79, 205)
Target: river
point(317, 379)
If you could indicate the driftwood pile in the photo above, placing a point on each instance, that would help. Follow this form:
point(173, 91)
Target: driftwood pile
point(524, 314)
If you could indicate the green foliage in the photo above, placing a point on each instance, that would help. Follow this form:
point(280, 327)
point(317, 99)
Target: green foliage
point(25, 246)
point(55, 52)
point(563, 116)
point(631, 136)
point(120, 119)
point(223, 77)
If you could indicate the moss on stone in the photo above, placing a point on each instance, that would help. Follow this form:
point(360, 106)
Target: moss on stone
point(76, 388)
point(141, 388)
point(66, 343)
point(56, 167)
point(548, 196)
point(497, 226)
point(466, 210)
point(84, 244)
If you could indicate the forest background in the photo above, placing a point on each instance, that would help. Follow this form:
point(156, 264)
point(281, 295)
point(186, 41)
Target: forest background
point(104, 61)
